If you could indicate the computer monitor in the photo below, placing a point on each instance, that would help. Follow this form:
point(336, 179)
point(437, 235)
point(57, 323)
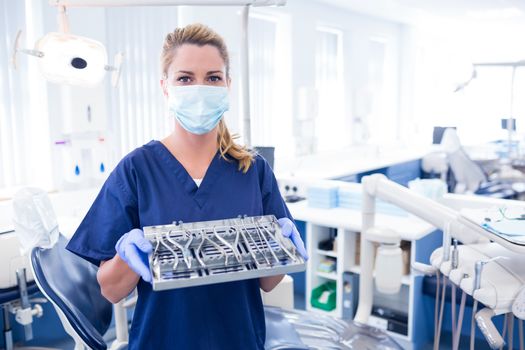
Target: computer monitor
point(504, 124)
point(267, 153)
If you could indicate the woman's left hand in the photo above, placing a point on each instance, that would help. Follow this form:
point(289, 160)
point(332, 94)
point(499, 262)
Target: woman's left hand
point(289, 230)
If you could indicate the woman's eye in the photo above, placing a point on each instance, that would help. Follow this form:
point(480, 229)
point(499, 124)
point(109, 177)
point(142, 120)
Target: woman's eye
point(215, 78)
point(184, 79)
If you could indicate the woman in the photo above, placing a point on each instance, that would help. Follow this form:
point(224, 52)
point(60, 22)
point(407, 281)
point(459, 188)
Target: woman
point(196, 173)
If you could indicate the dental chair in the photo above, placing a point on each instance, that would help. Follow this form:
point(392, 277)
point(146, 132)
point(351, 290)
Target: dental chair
point(465, 176)
point(70, 283)
point(66, 280)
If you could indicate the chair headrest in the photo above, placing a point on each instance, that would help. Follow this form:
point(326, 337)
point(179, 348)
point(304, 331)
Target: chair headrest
point(71, 284)
point(34, 219)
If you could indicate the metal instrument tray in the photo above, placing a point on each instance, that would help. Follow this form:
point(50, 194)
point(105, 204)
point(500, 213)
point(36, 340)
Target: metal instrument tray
point(207, 252)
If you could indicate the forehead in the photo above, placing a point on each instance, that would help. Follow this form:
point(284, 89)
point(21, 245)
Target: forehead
point(196, 58)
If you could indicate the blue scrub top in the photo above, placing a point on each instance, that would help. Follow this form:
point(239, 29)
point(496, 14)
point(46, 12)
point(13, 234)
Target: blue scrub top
point(151, 187)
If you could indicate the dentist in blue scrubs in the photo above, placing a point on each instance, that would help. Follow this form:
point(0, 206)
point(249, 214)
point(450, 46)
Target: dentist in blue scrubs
point(196, 173)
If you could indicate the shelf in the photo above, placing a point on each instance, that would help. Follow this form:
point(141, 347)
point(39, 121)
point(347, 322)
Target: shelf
point(333, 312)
point(405, 279)
point(381, 323)
point(398, 335)
point(330, 276)
point(326, 253)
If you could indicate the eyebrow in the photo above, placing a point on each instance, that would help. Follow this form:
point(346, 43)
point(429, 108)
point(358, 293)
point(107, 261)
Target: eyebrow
point(191, 73)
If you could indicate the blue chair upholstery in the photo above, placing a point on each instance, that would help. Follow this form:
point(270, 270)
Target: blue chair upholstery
point(70, 283)
point(496, 189)
point(11, 294)
point(464, 168)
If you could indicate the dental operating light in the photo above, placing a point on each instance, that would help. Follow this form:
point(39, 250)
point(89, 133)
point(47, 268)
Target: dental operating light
point(474, 75)
point(70, 59)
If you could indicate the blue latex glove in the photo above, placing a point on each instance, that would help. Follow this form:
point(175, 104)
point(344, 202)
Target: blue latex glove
point(289, 230)
point(133, 248)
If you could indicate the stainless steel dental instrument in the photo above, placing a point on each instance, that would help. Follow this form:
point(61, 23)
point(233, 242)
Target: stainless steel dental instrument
point(226, 250)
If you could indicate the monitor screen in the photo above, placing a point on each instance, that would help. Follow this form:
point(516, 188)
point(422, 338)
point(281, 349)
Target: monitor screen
point(504, 122)
point(267, 153)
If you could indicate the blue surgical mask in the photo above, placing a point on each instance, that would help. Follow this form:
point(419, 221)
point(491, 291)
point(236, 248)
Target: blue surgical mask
point(198, 108)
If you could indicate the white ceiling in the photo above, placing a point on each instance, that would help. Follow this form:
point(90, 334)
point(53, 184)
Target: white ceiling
point(419, 12)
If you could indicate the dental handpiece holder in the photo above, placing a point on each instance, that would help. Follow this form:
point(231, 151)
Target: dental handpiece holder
point(208, 252)
point(484, 316)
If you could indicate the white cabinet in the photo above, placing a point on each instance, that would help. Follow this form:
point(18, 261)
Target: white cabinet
point(347, 260)
point(344, 258)
point(83, 109)
point(347, 224)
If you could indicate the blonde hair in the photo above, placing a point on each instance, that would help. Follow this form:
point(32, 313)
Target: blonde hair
point(200, 35)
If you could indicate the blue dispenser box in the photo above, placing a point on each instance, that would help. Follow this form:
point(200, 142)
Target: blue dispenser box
point(323, 196)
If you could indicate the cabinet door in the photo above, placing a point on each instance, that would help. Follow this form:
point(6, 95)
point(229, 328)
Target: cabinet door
point(83, 109)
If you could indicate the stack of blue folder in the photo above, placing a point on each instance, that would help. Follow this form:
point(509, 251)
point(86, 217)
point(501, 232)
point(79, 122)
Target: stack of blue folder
point(351, 198)
point(323, 196)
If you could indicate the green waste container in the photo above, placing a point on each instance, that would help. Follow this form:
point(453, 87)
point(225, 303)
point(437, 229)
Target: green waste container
point(318, 298)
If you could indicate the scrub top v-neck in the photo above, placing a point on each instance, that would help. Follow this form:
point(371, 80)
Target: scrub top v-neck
point(151, 187)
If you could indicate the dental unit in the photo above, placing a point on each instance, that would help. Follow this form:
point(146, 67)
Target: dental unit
point(487, 265)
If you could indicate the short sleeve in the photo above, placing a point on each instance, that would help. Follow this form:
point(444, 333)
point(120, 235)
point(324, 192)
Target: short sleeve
point(113, 213)
point(273, 202)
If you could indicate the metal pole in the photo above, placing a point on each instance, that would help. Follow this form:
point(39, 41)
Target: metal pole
point(121, 323)
point(24, 299)
point(366, 279)
point(8, 332)
point(245, 77)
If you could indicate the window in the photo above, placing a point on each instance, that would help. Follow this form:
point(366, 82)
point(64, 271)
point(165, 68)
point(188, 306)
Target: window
point(376, 90)
point(382, 90)
point(270, 108)
point(24, 133)
point(136, 107)
point(12, 112)
point(330, 123)
point(263, 33)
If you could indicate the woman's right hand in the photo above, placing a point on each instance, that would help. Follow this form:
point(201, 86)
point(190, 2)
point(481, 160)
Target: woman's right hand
point(133, 249)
